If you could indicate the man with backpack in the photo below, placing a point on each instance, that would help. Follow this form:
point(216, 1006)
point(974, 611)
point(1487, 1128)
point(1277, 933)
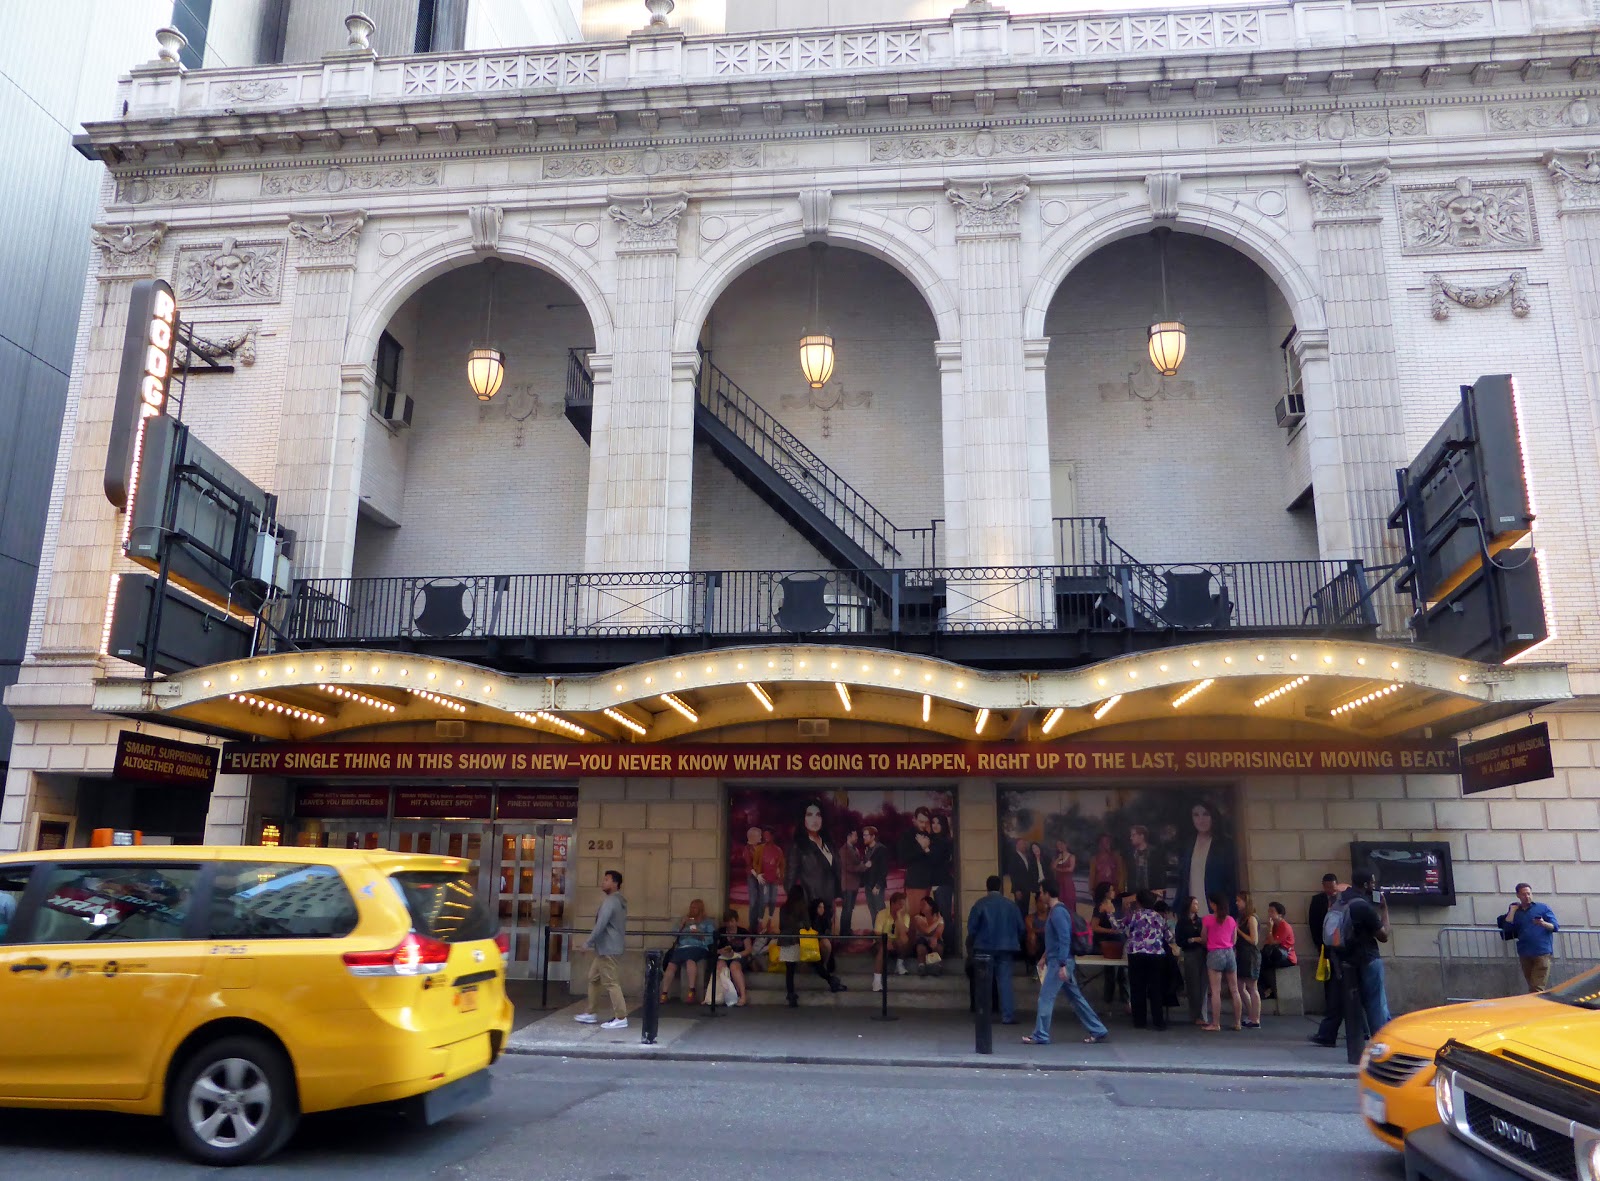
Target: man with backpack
point(1332, 1001)
point(1357, 921)
point(1066, 936)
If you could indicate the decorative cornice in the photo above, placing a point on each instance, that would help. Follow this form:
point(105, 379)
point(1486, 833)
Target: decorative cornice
point(128, 249)
point(1445, 293)
point(1346, 190)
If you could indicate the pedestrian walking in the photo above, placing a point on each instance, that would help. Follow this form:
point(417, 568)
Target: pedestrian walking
point(994, 929)
point(1059, 970)
point(610, 927)
point(1332, 996)
point(1368, 926)
point(1533, 925)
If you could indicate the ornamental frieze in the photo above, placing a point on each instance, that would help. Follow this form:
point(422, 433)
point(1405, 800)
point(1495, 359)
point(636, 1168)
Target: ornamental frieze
point(128, 249)
point(653, 163)
point(328, 237)
point(162, 190)
point(1577, 177)
point(983, 144)
point(1443, 293)
point(1467, 216)
point(1541, 116)
point(1339, 125)
point(337, 180)
point(233, 272)
point(1345, 189)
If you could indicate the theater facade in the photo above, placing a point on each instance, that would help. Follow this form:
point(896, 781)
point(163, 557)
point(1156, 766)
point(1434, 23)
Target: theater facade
point(851, 459)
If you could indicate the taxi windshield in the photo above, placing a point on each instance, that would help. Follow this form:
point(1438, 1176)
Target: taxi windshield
point(1582, 991)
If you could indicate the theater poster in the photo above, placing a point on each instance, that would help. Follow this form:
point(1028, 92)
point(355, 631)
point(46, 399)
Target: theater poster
point(855, 849)
point(1173, 841)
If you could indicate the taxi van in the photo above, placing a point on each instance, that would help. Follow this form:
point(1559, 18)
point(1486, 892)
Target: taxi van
point(1519, 1102)
point(233, 989)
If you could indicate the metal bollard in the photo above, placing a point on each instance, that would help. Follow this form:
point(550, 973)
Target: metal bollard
point(651, 1015)
point(983, 1015)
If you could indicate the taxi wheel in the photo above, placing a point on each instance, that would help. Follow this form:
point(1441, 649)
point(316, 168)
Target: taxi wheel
point(233, 1102)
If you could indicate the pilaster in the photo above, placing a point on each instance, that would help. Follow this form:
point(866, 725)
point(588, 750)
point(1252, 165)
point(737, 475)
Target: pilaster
point(1359, 428)
point(318, 474)
point(1577, 177)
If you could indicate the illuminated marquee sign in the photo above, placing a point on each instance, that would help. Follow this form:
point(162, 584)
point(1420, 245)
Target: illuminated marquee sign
point(143, 382)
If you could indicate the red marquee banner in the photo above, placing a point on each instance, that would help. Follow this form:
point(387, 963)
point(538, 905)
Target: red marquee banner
point(469, 762)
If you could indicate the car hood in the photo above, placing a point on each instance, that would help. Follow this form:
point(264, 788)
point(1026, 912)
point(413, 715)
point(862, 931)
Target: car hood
point(1564, 1036)
point(1431, 1028)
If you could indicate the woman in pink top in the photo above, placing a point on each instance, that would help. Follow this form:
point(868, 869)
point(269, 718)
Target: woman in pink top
point(1220, 932)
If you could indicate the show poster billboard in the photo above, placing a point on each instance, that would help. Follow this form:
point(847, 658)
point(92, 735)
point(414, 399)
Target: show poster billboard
point(855, 848)
point(1175, 841)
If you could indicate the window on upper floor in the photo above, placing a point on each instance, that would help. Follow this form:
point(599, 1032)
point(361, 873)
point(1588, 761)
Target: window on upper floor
point(1291, 408)
point(386, 399)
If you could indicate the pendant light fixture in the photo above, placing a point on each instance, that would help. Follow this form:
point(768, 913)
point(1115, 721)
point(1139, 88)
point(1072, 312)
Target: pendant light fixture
point(816, 348)
point(1169, 339)
point(486, 365)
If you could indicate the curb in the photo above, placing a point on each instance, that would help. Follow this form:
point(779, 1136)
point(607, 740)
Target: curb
point(976, 1062)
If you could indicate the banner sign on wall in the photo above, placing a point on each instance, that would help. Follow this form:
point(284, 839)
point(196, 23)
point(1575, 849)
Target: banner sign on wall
point(462, 803)
point(336, 803)
point(466, 762)
point(142, 759)
point(845, 853)
point(431, 803)
point(1175, 842)
point(1517, 756)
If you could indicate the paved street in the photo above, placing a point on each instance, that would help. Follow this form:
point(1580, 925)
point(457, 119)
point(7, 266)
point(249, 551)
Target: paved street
point(617, 1121)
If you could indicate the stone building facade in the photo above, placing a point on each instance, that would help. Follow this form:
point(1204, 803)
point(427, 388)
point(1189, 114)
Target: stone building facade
point(1370, 203)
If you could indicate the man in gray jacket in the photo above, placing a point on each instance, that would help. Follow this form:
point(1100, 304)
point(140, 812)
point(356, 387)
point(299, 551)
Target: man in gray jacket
point(610, 925)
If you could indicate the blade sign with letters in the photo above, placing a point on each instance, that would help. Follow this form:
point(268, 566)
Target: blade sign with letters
point(1517, 756)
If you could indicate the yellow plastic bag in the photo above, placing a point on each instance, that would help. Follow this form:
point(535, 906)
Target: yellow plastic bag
point(810, 948)
point(774, 956)
point(1324, 970)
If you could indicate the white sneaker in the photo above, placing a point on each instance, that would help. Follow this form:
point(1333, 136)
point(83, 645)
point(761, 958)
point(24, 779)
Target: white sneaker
point(877, 982)
point(587, 1019)
point(616, 1023)
point(899, 967)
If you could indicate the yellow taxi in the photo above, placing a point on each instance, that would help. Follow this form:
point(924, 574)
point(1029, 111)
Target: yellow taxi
point(234, 989)
point(1397, 1069)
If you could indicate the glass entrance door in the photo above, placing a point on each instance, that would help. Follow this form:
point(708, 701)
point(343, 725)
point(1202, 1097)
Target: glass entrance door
point(346, 834)
point(445, 838)
point(532, 885)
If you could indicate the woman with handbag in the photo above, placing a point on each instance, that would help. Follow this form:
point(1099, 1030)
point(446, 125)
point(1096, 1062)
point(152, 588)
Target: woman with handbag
point(733, 957)
point(800, 942)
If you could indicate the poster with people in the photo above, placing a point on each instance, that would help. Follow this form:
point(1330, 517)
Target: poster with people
point(852, 852)
point(1096, 842)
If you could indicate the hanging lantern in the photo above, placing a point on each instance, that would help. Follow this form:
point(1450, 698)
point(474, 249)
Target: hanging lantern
point(816, 348)
point(816, 359)
point(1168, 342)
point(1169, 339)
point(486, 365)
point(486, 369)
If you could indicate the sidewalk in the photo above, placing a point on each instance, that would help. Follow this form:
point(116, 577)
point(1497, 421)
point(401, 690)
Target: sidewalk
point(849, 1037)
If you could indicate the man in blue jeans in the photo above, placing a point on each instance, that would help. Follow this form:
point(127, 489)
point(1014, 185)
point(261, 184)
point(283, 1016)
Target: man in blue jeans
point(994, 929)
point(1369, 920)
point(1061, 975)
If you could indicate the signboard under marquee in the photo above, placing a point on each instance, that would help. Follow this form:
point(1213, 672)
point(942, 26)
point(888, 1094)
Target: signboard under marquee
point(471, 762)
point(1517, 756)
point(143, 759)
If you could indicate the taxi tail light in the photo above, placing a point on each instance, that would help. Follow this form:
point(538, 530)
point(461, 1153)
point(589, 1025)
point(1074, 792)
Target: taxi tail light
point(503, 942)
point(416, 955)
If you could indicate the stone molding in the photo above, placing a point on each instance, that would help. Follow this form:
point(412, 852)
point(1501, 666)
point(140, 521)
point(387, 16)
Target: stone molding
point(1346, 190)
point(328, 238)
point(230, 272)
point(1577, 177)
point(1335, 126)
point(1163, 189)
point(816, 209)
point(988, 207)
point(1466, 216)
point(983, 144)
point(335, 179)
point(1444, 293)
point(650, 162)
point(646, 227)
point(128, 249)
point(486, 223)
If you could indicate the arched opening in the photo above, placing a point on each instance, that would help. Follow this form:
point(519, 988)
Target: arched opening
point(1193, 467)
point(419, 514)
point(864, 451)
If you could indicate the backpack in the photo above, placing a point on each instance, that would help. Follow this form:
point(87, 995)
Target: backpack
point(1338, 930)
point(1082, 937)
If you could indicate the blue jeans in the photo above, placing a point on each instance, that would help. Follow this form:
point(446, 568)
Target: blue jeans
point(1003, 983)
point(1374, 999)
point(1080, 1005)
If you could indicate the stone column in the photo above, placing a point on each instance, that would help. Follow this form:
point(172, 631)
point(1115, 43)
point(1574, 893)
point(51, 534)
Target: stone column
point(994, 416)
point(642, 434)
point(318, 474)
point(1359, 426)
point(86, 528)
point(1577, 177)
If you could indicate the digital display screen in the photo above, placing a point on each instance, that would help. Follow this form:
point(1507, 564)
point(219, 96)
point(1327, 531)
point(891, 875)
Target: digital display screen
point(1407, 871)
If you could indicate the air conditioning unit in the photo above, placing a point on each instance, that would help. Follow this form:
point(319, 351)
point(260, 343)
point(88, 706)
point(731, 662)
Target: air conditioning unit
point(1291, 409)
point(813, 727)
point(398, 412)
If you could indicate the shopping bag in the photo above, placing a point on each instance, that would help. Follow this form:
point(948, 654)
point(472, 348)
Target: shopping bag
point(774, 955)
point(1324, 970)
point(724, 993)
point(810, 947)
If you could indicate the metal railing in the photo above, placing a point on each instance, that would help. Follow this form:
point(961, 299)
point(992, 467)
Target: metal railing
point(1290, 596)
point(1476, 963)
